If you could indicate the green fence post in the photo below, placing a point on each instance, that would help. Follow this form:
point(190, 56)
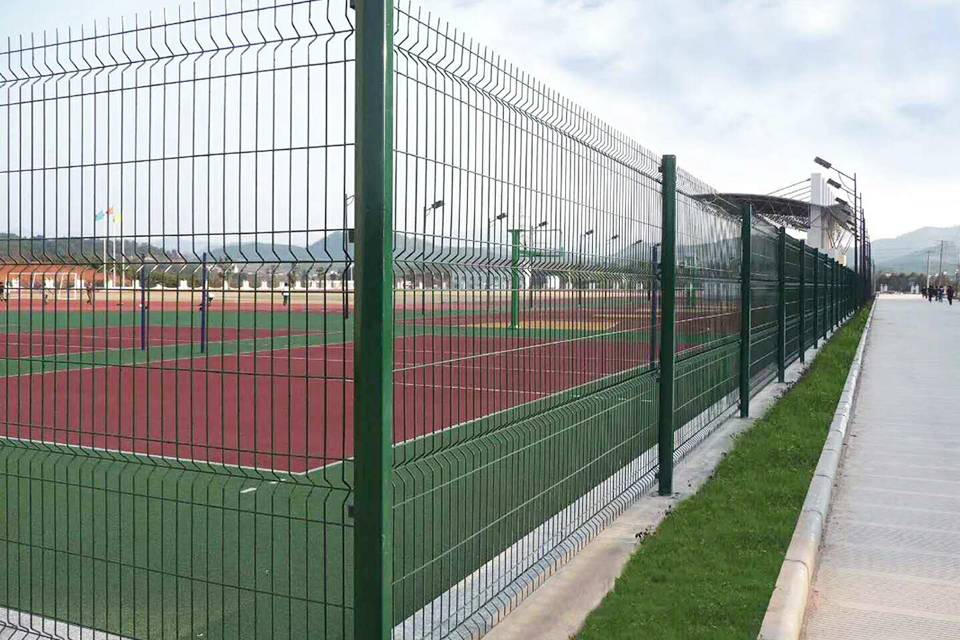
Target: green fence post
point(373, 339)
point(782, 306)
point(515, 278)
point(746, 302)
point(801, 347)
point(668, 319)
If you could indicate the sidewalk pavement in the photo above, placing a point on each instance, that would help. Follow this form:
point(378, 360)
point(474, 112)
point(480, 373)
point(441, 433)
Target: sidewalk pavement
point(890, 561)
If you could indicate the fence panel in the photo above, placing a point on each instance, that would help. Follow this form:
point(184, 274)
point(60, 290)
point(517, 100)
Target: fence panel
point(525, 407)
point(810, 296)
point(177, 371)
point(764, 285)
point(792, 293)
point(708, 297)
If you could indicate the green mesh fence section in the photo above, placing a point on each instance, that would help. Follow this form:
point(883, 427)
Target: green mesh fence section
point(792, 297)
point(764, 287)
point(708, 320)
point(178, 454)
point(524, 235)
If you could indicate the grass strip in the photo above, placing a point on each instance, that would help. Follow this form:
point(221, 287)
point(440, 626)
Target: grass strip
point(709, 570)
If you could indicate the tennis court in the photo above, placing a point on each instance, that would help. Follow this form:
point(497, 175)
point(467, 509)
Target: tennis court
point(261, 421)
point(254, 400)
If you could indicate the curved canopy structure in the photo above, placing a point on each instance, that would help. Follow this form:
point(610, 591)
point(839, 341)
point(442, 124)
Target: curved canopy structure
point(795, 214)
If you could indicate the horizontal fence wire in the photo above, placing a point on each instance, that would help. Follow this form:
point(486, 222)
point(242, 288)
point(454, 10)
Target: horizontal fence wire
point(177, 281)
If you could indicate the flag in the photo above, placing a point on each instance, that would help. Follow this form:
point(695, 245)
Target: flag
point(98, 216)
point(114, 214)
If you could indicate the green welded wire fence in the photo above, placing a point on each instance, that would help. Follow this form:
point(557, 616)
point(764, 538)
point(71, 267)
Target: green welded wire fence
point(323, 321)
point(764, 286)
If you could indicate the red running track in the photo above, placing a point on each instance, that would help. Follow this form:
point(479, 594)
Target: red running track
point(292, 410)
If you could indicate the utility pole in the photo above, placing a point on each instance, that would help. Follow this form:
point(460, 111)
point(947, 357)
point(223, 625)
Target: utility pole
point(940, 270)
point(928, 268)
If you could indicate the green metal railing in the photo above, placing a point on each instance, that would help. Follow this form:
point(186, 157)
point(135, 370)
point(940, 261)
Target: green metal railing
point(386, 331)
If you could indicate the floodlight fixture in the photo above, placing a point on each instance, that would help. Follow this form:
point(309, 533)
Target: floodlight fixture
point(833, 183)
point(823, 163)
point(843, 202)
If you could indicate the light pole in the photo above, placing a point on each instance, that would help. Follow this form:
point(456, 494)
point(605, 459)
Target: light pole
point(515, 254)
point(580, 283)
point(427, 212)
point(858, 232)
point(490, 223)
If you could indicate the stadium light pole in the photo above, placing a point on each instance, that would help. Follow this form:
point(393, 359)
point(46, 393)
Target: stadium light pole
point(428, 210)
point(492, 221)
point(515, 255)
point(857, 236)
point(583, 236)
point(611, 241)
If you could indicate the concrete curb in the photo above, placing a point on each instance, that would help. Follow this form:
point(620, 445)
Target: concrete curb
point(788, 604)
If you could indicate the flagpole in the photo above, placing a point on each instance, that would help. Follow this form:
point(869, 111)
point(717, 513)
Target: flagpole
point(106, 234)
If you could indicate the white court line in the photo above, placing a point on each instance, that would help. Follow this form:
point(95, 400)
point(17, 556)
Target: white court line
point(163, 342)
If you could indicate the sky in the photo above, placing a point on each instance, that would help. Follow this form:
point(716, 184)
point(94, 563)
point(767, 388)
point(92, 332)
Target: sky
point(744, 92)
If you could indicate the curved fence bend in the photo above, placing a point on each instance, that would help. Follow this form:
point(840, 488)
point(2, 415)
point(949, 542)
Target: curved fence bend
point(323, 322)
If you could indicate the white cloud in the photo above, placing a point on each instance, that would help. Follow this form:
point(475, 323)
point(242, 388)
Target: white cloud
point(745, 92)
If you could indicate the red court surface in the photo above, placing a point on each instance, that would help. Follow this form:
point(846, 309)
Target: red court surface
point(292, 410)
point(76, 340)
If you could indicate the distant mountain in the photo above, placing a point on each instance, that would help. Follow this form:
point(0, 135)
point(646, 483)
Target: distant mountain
point(73, 251)
point(908, 252)
point(916, 261)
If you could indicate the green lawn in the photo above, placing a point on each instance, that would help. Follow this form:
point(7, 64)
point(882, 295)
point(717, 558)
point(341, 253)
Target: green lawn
point(709, 571)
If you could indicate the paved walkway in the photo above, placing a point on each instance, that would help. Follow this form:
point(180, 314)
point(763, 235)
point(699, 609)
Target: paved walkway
point(890, 563)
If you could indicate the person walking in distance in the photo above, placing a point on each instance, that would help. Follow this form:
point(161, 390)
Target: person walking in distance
point(950, 294)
